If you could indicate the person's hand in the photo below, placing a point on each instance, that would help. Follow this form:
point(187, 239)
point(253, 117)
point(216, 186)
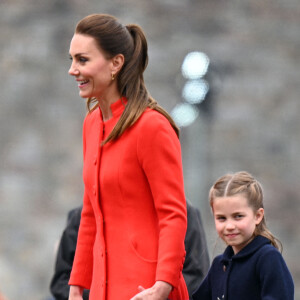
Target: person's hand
point(75, 292)
point(2, 297)
point(159, 291)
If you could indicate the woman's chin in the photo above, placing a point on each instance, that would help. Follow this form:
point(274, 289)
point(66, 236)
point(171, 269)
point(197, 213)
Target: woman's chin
point(84, 95)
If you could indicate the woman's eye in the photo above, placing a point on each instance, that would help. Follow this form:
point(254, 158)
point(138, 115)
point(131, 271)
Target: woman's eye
point(82, 59)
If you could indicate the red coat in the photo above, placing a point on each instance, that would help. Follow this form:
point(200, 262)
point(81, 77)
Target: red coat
point(134, 235)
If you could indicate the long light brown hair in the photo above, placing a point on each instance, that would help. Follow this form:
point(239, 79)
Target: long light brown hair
point(114, 38)
point(245, 184)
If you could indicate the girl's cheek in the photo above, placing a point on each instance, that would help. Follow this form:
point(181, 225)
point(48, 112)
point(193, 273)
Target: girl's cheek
point(218, 228)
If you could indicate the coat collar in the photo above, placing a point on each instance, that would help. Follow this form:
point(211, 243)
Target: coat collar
point(117, 108)
point(253, 246)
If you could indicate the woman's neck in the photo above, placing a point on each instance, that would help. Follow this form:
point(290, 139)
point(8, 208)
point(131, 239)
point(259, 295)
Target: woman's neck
point(105, 103)
point(105, 110)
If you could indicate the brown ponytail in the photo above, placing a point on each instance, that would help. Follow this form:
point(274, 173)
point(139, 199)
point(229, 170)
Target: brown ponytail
point(113, 38)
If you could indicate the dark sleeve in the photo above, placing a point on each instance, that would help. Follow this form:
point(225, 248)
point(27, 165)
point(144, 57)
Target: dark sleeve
point(203, 292)
point(196, 263)
point(276, 280)
point(64, 260)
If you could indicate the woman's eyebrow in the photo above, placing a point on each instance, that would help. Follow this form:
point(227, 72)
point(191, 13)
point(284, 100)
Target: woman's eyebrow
point(78, 54)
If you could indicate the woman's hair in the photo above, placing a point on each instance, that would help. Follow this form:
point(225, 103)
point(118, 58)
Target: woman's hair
point(245, 184)
point(114, 38)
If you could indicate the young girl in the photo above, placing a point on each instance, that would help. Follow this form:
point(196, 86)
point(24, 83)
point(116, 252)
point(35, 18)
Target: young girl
point(251, 266)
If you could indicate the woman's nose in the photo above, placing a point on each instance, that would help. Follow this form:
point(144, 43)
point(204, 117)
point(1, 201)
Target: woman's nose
point(73, 70)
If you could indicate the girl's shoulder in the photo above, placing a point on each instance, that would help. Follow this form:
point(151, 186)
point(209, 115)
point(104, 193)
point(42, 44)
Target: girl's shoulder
point(269, 260)
point(218, 260)
point(268, 254)
point(272, 268)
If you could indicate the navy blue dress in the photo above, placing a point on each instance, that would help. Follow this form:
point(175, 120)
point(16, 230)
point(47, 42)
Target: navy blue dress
point(257, 272)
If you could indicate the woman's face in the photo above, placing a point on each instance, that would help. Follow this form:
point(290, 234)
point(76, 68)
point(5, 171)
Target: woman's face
point(91, 69)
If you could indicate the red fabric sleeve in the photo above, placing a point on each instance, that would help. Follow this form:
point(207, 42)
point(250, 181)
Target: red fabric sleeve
point(159, 153)
point(82, 269)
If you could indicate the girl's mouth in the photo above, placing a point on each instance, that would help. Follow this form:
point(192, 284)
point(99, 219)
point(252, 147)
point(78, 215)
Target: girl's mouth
point(231, 235)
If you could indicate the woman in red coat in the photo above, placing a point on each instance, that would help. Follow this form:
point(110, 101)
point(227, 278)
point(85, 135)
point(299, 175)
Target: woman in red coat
point(131, 237)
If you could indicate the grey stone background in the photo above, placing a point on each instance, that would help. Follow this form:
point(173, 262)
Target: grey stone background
point(249, 121)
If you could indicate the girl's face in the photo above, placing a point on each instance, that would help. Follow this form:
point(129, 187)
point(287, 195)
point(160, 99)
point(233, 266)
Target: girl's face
point(91, 69)
point(235, 220)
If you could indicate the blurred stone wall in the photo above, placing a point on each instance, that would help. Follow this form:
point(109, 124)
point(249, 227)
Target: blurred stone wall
point(249, 121)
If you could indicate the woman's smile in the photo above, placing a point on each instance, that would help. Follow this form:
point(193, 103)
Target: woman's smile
point(82, 83)
point(90, 67)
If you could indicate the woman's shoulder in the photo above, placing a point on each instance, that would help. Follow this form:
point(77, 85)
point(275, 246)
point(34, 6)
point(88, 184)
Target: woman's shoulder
point(153, 128)
point(153, 115)
point(95, 113)
point(92, 116)
point(152, 120)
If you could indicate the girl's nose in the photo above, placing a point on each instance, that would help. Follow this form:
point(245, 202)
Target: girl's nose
point(230, 226)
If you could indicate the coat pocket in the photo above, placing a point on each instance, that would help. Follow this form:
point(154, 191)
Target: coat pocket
point(143, 252)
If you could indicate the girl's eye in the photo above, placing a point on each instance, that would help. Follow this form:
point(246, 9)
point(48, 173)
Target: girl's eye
point(219, 218)
point(239, 216)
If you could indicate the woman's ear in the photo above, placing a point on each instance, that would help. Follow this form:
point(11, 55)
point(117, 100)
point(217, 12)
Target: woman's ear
point(259, 215)
point(117, 63)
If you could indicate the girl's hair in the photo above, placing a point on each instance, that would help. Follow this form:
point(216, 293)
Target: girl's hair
point(114, 38)
point(244, 183)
